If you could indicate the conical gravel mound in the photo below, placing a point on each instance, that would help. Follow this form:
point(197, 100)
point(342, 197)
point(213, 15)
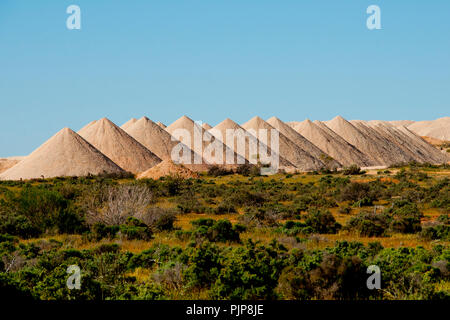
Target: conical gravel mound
point(249, 142)
point(398, 152)
point(397, 123)
point(158, 140)
point(367, 141)
point(303, 143)
point(153, 137)
point(119, 146)
point(435, 155)
point(332, 144)
point(207, 145)
point(168, 168)
point(6, 163)
point(162, 125)
point(64, 154)
point(128, 124)
point(398, 138)
point(438, 129)
point(287, 149)
point(206, 126)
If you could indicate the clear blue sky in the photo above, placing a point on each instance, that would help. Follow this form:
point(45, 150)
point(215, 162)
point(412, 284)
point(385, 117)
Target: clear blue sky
point(212, 59)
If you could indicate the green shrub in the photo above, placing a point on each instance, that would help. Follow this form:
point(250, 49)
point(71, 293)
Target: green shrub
point(405, 208)
point(408, 224)
point(165, 222)
point(259, 217)
point(203, 265)
point(352, 170)
point(333, 278)
point(33, 211)
point(216, 171)
point(133, 229)
point(250, 272)
point(18, 225)
point(225, 208)
point(292, 228)
point(322, 222)
point(70, 223)
point(244, 169)
point(439, 232)
point(101, 231)
point(356, 192)
point(369, 224)
point(364, 202)
point(345, 210)
point(216, 231)
point(444, 218)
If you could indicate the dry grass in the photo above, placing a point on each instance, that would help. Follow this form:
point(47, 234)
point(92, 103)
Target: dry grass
point(432, 214)
point(443, 286)
point(395, 241)
point(142, 275)
point(184, 221)
point(265, 235)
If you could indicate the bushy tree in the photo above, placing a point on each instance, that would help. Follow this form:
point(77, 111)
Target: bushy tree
point(216, 231)
point(322, 221)
point(369, 224)
point(250, 272)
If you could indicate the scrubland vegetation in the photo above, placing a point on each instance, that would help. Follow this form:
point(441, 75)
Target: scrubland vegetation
point(229, 235)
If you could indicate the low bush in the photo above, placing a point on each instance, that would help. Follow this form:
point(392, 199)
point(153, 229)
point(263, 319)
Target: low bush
point(439, 232)
point(249, 272)
point(135, 229)
point(132, 229)
point(248, 170)
point(345, 209)
point(369, 224)
point(18, 225)
point(293, 228)
point(216, 171)
point(333, 278)
point(216, 231)
point(408, 224)
point(352, 170)
point(259, 217)
point(321, 222)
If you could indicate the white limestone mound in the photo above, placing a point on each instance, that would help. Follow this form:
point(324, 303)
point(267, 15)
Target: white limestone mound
point(397, 123)
point(244, 143)
point(411, 143)
point(206, 126)
point(435, 155)
point(333, 144)
point(65, 154)
point(162, 125)
point(185, 128)
point(439, 128)
point(168, 168)
point(398, 151)
point(6, 163)
point(304, 143)
point(368, 141)
point(153, 137)
point(300, 158)
point(119, 146)
point(160, 142)
point(128, 124)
